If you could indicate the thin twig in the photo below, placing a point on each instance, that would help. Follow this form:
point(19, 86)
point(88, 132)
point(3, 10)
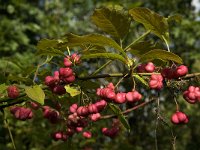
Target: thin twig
point(166, 43)
point(129, 110)
point(188, 76)
point(137, 40)
point(157, 120)
point(8, 127)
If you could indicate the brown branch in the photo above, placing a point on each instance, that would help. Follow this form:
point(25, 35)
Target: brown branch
point(100, 76)
point(129, 110)
point(188, 76)
point(192, 75)
point(12, 103)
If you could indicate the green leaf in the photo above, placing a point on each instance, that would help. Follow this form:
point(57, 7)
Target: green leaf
point(121, 117)
point(2, 78)
point(140, 48)
point(112, 56)
point(178, 18)
point(50, 52)
point(19, 79)
point(35, 93)
point(73, 91)
point(124, 122)
point(3, 87)
point(47, 43)
point(92, 39)
point(160, 54)
point(151, 21)
point(141, 80)
point(85, 85)
point(112, 21)
point(93, 49)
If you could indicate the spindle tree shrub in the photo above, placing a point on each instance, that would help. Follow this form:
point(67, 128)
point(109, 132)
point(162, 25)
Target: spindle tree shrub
point(77, 85)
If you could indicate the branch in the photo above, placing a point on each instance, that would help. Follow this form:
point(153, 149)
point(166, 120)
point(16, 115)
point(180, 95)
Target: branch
point(129, 110)
point(137, 40)
point(11, 103)
point(188, 76)
point(11, 99)
point(101, 76)
point(192, 75)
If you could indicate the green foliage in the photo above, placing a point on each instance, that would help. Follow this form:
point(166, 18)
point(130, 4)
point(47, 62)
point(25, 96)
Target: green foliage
point(93, 39)
point(160, 54)
point(111, 56)
point(152, 21)
point(120, 115)
point(3, 87)
point(112, 21)
point(73, 91)
point(140, 48)
point(35, 93)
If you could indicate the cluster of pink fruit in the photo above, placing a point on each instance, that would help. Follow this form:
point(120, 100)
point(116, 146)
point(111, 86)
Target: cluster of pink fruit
point(113, 131)
point(77, 119)
point(79, 116)
point(156, 80)
point(64, 76)
point(109, 94)
point(21, 113)
point(179, 118)
point(192, 94)
point(91, 110)
point(13, 91)
point(52, 115)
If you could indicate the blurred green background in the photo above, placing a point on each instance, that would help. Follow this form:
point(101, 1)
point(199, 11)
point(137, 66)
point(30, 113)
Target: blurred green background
point(23, 23)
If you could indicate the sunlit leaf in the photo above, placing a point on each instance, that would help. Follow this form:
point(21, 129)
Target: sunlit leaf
point(92, 39)
point(160, 54)
point(35, 93)
point(141, 80)
point(151, 21)
point(112, 21)
point(73, 91)
point(3, 87)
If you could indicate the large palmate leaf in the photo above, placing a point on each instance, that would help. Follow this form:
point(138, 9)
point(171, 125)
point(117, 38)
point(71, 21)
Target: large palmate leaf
point(152, 21)
point(93, 39)
point(35, 93)
point(112, 21)
point(111, 56)
point(160, 54)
